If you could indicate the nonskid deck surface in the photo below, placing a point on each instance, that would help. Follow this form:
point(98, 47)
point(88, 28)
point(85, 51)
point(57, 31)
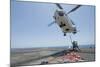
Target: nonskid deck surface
point(58, 56)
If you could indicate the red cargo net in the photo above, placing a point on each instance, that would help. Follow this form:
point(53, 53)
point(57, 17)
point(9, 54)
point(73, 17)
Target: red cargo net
point(72, 57)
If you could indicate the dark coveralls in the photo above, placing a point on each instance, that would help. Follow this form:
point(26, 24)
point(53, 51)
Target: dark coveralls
point(75, 46)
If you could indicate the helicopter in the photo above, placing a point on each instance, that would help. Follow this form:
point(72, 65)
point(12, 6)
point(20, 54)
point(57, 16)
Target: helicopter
point(63, 20)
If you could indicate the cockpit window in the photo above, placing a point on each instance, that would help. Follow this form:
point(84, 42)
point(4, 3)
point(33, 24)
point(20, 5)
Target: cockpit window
point(61, 13)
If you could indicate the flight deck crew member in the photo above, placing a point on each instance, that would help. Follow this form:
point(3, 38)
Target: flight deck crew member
point(75, 46)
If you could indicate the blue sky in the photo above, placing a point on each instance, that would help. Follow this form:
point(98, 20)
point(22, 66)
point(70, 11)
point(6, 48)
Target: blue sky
point(29, 25)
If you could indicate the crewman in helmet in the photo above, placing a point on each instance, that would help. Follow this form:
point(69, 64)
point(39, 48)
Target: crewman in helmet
point(75, 46)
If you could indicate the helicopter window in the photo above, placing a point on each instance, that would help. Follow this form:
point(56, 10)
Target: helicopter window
point(61, 13)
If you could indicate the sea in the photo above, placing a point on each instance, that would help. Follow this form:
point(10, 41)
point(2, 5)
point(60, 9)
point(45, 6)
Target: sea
point(36, 49)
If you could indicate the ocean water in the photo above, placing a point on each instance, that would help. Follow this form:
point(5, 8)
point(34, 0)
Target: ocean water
point(87, 46)
point(21, 50)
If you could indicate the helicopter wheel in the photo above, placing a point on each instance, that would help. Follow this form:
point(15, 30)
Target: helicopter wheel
point(74, 32)
point(64, 34)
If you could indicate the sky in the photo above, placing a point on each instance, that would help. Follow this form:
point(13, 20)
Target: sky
point(29, 25)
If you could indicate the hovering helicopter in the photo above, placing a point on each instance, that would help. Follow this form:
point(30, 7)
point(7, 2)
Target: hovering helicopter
point(63, 21)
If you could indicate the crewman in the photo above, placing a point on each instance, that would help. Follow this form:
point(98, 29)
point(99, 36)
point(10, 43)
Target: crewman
point(75, 46)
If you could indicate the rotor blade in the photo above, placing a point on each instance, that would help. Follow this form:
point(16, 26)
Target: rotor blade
point(72, 22)
point(59, 6)
point(51, 23)
point(74, 9)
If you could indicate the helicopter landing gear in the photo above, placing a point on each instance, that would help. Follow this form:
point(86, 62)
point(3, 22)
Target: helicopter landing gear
point(64, 34)
point(74, 32)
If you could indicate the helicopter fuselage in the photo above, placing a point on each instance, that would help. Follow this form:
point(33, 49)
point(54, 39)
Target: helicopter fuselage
point(64, 22)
